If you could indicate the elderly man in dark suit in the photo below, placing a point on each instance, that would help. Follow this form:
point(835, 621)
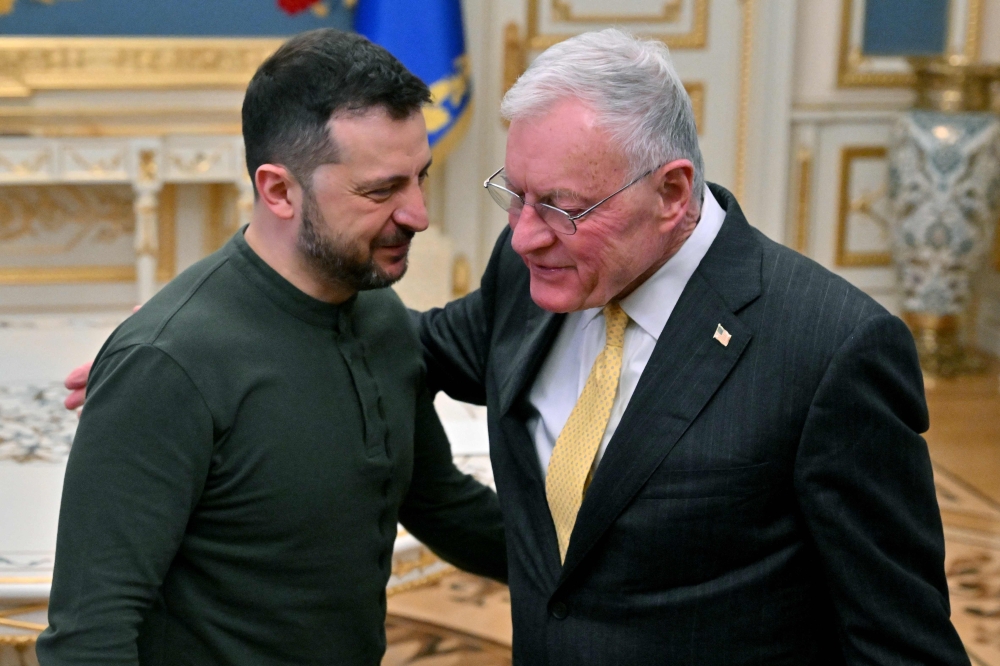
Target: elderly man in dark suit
point(706, 446)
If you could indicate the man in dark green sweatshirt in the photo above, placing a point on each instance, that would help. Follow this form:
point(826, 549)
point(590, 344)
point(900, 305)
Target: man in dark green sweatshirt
point(255, 431)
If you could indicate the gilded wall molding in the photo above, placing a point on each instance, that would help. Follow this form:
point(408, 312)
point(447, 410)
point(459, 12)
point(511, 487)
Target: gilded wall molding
point(100, 215)
point(166, 261)
point(562, 10)
point(863, 205)
point(743, 113)
point(855, 70)
point(29, 64)
point(695, 38)
point(116, 122)
point(803, 204)
point(222, 221)
point(22, 275)
point(696, 91)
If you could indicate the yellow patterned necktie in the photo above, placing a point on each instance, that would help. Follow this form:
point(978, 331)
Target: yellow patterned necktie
point(577, 445)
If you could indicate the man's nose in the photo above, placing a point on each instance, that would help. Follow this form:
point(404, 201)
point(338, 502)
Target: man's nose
point(531, 233)
point(412, 211)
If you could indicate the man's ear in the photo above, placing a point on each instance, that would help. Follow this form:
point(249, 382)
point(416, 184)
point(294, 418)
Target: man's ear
point(278, 190)
point(675, 181)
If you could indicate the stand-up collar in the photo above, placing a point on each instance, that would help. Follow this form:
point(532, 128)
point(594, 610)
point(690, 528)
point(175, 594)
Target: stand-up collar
point(285, 295)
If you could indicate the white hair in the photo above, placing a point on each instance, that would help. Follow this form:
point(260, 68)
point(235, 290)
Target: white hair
point(632, 86)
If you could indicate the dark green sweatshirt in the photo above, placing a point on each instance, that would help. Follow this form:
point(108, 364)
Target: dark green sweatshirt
point(234, 486)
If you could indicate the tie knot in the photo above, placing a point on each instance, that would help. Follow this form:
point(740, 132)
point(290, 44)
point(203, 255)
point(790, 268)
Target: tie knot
point(615, 321)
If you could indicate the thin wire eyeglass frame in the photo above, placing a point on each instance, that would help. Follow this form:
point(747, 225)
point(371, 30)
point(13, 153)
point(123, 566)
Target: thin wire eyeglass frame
point(492, 188)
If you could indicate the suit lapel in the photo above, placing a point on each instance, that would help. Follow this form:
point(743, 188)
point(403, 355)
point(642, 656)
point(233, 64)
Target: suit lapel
point(531, 347)
point(686, 369)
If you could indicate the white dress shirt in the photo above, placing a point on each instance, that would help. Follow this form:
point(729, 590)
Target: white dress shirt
point(561, 379)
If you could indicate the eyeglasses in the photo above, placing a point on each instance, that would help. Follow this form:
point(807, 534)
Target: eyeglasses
point(556, 218)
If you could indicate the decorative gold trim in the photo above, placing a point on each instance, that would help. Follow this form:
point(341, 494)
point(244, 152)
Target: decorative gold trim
point(743, 119)
point(803, 211)
point(27, 167)
point(973, 30)
point(514, 60)
point(100, 167)
point(845, 257)
point(696, 38)
point(103, 122)
point(563, 11)
point(166, 262)
point(23, 275)
point(221, 211)
point(850, 58)
point(696, 91)
point(29, 64)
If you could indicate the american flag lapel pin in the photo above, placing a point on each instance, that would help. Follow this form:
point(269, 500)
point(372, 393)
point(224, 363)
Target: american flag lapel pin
point(722, 335)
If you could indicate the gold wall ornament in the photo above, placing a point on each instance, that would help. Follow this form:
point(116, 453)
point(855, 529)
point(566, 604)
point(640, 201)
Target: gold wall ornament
point(855, 70)
point(197, 164)
point(696, 91)
point(562, 10)
point(514, 55)
point(867, 204)
point(98, 166)
point(28, 64)
point(148, 167)
point(30, 166)
point(695, 38)
point(101, 214)
point(89, 121)
point(22, 275)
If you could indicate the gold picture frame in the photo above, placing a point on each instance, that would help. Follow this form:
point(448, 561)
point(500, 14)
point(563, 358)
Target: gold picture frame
point(855, 70)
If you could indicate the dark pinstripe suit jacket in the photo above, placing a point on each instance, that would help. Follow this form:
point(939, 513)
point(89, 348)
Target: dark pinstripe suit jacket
point(766, 502)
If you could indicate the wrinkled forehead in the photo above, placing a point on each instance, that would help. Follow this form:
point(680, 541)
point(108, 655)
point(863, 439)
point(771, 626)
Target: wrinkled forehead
point(565, 142)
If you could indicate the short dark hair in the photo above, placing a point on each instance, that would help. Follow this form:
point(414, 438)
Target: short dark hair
point(311, 77)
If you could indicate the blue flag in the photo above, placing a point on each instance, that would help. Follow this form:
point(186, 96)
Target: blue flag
point(427, 36)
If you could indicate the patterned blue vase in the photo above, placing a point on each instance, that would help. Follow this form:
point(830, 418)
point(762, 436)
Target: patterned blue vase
point(944, 185)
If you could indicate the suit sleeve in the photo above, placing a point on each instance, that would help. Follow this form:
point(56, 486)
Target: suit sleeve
point(453, 514)
point(865, 486)
point(456, 338)
point(135, 473)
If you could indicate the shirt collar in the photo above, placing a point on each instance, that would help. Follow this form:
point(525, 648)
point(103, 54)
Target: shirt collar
point(651, 303)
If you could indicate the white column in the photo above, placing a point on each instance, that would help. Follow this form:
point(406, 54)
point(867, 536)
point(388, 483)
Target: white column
point(147, 185)
point(146, 241)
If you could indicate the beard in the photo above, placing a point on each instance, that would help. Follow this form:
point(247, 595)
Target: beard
point(336, 261)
